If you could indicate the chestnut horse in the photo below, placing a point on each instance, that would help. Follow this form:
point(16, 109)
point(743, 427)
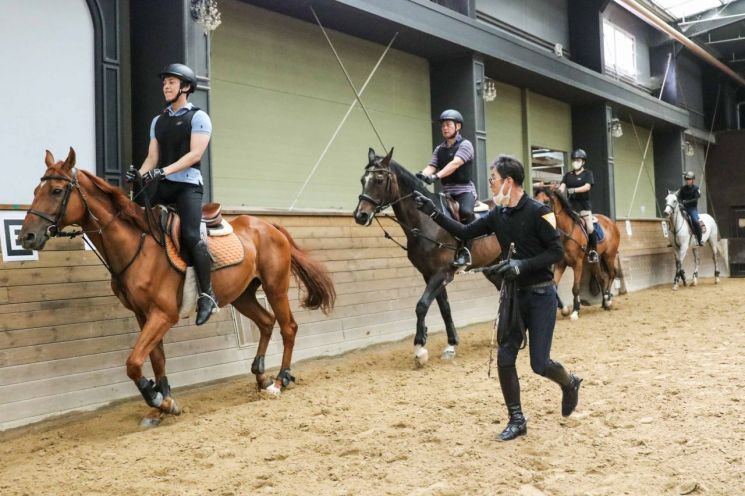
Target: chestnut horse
point(574, 236)
point(145, 282)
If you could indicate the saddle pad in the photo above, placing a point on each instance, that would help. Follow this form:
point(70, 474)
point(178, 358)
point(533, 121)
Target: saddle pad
point(599, 231)
point(225, 251)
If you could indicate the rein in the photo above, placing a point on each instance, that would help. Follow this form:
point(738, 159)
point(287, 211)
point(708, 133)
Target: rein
point(54, 231)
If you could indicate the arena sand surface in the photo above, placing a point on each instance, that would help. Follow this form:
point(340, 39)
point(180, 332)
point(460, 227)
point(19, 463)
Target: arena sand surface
point(661, 412)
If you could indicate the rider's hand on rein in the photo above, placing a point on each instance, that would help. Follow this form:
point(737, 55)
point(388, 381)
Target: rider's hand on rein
point(156, 175)
point(431, 179)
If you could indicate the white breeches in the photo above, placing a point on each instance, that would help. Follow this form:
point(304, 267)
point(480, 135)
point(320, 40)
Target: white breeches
point(586, 216)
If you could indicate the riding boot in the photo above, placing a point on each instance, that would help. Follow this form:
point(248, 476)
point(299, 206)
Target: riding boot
point(517, 424)
point(207, 302)
point(463, 254)
point(592, 247)
point(569, 386)
point(698, 237)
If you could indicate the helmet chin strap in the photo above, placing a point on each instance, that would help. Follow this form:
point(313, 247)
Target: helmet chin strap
point(178, 95)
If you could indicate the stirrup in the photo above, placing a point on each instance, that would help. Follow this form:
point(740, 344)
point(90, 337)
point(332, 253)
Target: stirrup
point(215, 306)
point(465, 253)
point(592, 256)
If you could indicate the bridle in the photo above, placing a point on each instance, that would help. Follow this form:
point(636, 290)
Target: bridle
point(380, 206)
point(54, 231)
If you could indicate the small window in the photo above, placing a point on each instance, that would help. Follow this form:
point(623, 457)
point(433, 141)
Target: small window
point(547, 166)
point(619, 48)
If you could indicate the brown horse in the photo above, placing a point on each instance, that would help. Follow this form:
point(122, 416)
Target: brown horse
point(145, 282)
point(572, 232)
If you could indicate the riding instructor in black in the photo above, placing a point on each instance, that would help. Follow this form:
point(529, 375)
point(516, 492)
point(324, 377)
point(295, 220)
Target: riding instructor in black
point(452, 165)
point(530, 225)
point(577, 184)
point(179, 136)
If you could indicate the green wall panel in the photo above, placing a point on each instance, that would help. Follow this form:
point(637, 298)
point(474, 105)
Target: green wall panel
point(627, 155)
point(550, 123)
point(504, 128)
point(277, 96)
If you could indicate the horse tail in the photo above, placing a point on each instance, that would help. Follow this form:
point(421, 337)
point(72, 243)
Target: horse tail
point(320, 292)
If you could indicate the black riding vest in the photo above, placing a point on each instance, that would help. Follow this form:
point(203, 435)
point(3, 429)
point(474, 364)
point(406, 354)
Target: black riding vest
point(174, 137)
point(463, 174)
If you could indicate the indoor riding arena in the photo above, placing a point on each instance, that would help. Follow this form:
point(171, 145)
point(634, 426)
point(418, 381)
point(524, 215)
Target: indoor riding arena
point(322, 114)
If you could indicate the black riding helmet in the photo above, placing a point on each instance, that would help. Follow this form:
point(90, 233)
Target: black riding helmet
point(451, 115)
point(579, 154)
point(181, 71)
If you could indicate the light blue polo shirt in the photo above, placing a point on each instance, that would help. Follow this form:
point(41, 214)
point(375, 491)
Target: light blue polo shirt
point(200, 124)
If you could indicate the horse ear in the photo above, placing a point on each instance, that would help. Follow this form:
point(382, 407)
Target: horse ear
point(49, 159)
point(387, 159)
point(370, 156)
point(69, 161)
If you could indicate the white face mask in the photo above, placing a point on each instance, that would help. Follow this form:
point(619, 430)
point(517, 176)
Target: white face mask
point(577, 164)
point(503, 199)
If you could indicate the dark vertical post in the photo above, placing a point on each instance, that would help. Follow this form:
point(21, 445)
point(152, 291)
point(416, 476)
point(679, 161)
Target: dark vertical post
point(590, 131)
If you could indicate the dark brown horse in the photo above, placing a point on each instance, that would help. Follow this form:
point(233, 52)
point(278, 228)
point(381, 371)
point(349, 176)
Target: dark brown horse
point(574, 236)
point(145, 282)
point(429, 247)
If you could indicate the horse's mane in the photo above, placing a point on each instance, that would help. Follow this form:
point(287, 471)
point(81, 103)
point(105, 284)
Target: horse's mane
point(408, 179)
point(128, 210)
point(561, 199)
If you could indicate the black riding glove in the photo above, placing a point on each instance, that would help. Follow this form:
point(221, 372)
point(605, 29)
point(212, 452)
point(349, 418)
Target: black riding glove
point(131, 174)
point(510, 269)
point(425, 205)
point(156, 175)
point(431, 179)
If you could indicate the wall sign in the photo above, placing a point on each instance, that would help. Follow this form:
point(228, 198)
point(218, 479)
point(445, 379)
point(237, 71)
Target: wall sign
point(11, 222)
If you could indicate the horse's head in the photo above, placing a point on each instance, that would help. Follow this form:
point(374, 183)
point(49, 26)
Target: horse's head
point(379, 188)
point(54, 206)
point(671, 203)
point(548, 197)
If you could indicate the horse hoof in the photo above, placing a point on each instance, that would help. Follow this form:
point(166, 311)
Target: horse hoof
point(153, 419)
point(716, 280)
point(675, 287)
point(574, 316)
point(448, 353)
point(565, 311)
point(695, 282)
point(271, 391)
point(608, 304)
point(421, 356)
point(174, 408)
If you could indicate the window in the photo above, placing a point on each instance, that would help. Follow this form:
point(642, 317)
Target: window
point(619, 48)
point(547, 166)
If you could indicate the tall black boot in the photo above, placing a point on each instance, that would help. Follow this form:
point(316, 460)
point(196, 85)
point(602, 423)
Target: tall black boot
point(517, 424)
point(463, 254)
point(569, 386)
point(207, 302)
point(592, 247)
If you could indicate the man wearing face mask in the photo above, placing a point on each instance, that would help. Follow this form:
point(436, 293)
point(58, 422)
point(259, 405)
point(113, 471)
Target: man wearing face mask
point(577, 185)
point(452, 165)
point(531, 226)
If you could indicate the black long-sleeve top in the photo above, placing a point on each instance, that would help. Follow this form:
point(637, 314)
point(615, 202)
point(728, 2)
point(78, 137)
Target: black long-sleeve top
point(529, 224)
point(689, 195)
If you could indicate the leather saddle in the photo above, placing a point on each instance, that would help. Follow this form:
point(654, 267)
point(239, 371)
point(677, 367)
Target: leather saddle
point(451, 207)
point(690, 221)
point(211, 217)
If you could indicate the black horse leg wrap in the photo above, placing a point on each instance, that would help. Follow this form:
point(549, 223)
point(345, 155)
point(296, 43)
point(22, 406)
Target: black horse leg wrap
point(257, 367)
point(147, 388)
point(285, 376)
point(163, 387)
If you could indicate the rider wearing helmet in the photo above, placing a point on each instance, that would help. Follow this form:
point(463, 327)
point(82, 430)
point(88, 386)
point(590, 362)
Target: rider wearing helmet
point(179, 136)
point(577, 184)
point(452, 165)
point(688, 196)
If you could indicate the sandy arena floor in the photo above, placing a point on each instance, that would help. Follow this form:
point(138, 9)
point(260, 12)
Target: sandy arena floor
point(661, 412)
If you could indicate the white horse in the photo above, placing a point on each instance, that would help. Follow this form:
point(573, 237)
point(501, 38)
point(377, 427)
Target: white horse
point(683, 237)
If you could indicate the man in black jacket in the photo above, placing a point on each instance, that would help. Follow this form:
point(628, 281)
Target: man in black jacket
point(531, 226)
point(688, 196)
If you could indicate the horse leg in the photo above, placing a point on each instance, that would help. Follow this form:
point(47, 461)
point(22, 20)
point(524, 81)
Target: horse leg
point(248, 305)
point(695, 266)
point(150, 338)
point(714, 251)
point(575, 287)
point(158, 362)
point(434, 285)
point(559, 269)
point(609, 259)
point(277, 298)
point(442, 301)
